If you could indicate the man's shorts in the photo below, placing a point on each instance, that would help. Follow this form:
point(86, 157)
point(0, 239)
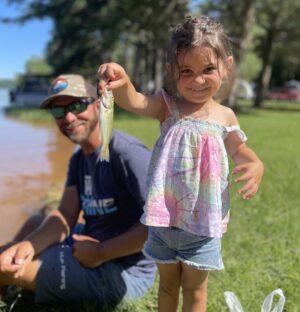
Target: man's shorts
point(170, 245)
point(62, 279)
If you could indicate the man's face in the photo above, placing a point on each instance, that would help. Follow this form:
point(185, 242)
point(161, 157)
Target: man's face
point(77, 127)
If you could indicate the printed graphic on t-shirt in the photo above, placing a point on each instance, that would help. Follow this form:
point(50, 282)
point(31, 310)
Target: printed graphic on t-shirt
point(93, 206)
point(87, 185)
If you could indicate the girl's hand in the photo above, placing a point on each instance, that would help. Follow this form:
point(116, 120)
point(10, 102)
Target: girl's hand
point(252, 174)
point(112, 76)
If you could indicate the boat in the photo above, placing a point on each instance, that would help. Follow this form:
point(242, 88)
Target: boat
point(31, 91)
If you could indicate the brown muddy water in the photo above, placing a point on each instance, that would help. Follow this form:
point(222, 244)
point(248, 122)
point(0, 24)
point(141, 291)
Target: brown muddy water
point(33, 160)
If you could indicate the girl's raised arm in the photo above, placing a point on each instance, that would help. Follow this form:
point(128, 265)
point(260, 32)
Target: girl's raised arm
point(114, 77)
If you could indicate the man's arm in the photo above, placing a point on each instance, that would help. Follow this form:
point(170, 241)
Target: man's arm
point(125, 244)
point(54, 229)
point(92, 253)
point(57, 226)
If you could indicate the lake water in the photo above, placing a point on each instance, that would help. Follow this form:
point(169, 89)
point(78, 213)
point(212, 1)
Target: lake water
point(32, 160)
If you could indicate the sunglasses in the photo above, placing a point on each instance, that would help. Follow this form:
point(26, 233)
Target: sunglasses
point(75, 108)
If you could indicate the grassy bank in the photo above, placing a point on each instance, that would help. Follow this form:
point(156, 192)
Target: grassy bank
point(261, 250)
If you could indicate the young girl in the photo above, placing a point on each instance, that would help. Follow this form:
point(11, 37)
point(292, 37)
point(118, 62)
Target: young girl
point(187, 206)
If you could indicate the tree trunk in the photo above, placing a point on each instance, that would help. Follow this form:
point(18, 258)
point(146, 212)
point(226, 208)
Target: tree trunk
point(265, 74)
point(246, 37)
point(159, 69)
point(138, 67)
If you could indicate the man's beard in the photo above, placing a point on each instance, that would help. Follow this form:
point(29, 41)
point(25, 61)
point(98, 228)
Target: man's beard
point(88, 128)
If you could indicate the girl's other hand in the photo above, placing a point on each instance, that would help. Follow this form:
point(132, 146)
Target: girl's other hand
point(252, 174)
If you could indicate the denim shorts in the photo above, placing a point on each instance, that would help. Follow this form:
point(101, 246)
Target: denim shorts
point(170, 245)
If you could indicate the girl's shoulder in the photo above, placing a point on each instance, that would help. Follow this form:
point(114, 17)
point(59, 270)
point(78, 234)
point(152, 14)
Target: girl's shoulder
point(226, 115)
point(230, 121)
point(169, 106)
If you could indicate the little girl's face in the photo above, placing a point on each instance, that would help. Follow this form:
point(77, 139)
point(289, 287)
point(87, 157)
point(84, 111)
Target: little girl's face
point(200, 74)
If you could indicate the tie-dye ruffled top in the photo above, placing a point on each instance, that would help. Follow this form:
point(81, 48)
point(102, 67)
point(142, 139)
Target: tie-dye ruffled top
point(188, 183)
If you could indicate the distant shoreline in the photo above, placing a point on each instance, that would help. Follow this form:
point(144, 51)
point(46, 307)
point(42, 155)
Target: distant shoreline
point(7, 83)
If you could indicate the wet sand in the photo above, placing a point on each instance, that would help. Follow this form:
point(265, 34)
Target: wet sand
point(33, 160)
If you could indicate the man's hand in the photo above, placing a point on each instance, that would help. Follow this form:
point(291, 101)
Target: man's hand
point(87, 251)
point(252, 174)
point(14, 259)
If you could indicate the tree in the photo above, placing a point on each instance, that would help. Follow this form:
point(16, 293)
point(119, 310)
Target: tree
point(280, 22)
point(38, 66)
point(149, 23)
point(248, 17)
point(89, 32)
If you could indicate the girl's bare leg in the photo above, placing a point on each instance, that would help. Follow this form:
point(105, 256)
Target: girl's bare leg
point(169, 285)
point(194, 289)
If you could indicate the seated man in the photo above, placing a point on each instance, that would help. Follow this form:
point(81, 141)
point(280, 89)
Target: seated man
point(105, 265)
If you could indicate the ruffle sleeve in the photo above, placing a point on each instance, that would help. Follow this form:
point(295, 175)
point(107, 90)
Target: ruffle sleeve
point(238, 131)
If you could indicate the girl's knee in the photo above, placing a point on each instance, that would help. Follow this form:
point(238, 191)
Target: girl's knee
point(169, 275)
point(169, 287)
point(194, 281)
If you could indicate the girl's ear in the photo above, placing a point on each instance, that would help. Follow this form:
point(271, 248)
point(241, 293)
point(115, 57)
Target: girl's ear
point(229, 62)
point(168, 67)
point(97, 103)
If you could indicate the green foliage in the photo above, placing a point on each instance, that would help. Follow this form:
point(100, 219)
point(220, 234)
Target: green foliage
point(134, 33)
point(38, 66)
point(89, 32)
point(231, 13)
point(7, 83)
point(251, 66)
point(282, 19)
point(29, 114)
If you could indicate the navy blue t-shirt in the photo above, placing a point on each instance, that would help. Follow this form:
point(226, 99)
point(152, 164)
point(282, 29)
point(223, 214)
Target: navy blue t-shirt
point(112, 194)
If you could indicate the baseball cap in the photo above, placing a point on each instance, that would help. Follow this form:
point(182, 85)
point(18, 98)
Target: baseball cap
point(69, 85)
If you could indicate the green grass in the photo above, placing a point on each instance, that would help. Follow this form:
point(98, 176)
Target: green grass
point(33, 115)
point(261, 250)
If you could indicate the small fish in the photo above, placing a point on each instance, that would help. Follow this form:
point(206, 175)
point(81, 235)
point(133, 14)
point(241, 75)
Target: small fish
point(106, 122)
